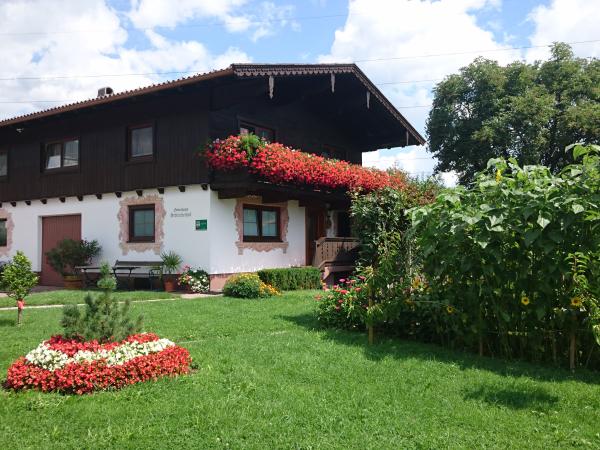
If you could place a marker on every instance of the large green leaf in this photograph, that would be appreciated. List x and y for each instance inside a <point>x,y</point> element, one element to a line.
<point>543,220</point>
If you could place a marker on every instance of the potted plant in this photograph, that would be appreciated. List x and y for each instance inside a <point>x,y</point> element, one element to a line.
<point>171,262</point>
<point>18,279</point>
<point>69,254</point>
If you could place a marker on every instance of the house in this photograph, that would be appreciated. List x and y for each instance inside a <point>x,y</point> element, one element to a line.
<point>124,169</point>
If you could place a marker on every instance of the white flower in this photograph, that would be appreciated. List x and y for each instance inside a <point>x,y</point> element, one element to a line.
<point>47,358</point>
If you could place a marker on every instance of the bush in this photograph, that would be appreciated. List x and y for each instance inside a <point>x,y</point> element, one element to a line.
<point>292,278</point>
<point>104,319</point>
<point>17,277</point>
<point>345,305</point>
<point>70,253</point>
<point>509,257</point>
<point>248,285</point>
<point>197,279</point>
<point>509,267</point>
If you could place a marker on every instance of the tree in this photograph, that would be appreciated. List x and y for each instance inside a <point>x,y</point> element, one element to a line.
<point>18,279</point>
<point>527,111</point>
<point>104,319</point>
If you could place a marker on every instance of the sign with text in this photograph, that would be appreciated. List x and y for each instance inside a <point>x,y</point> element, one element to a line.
<point>202,224</point>
<point>181,212</point>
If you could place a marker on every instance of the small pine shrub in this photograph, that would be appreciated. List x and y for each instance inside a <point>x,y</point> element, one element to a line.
<point>104,319</point>
<point>248,285</point>
<point>292,278</point>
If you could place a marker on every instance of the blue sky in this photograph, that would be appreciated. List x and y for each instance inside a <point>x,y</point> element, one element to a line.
<point>105,42</point>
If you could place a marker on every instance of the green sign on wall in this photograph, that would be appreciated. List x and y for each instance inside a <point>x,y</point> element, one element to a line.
<point>202,224</point>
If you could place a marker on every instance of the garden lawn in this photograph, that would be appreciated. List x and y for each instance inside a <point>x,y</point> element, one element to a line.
<point>70,297</point>
<point>269,378</point>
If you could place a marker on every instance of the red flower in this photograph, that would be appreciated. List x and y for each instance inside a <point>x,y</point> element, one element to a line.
<point>82,378</point>
<point>280,164</point>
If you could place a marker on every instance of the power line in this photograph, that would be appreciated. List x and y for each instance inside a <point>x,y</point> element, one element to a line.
<point>230,21</point>
<point>503,49</point>
<point>181,72</point>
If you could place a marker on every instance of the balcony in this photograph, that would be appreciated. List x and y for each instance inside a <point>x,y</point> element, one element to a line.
<point>335,254</point>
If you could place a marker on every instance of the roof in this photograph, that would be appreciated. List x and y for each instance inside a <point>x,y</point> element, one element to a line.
<point>240,70</point>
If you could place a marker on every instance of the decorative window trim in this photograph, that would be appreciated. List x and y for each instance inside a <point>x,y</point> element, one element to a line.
<point>238,215</point>
<point>159,218</point>
<point>5,215</point>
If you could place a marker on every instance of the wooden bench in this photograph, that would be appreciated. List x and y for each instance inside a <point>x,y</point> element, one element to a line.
<point>125,271</point>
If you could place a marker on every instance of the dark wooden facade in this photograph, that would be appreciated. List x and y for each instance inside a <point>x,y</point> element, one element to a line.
<point>304,111</point>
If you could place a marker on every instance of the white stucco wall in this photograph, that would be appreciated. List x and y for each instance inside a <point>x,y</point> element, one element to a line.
<point>213,250</point>
<point>99,220</point>
<point>225,256</point>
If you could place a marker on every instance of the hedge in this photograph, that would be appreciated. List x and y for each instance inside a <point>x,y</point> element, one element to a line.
<point>292,278</point>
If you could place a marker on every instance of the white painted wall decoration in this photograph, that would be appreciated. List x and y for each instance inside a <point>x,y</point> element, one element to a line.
<point>213,249</point>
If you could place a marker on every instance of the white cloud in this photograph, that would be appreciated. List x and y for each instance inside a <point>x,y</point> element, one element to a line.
<point>167,13</point>
<point>100,50</point>
<point>413,160</point>
<point>271,17</point>
<point>388,29</point>
<point>260,19</point>
<point>567,21</point>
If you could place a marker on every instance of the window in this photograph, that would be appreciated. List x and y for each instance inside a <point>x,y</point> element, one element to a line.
<point>141,142</point>
<point>261,223</point>
<point>61,154</point>
<point>3,233</point>
<point>329,151</point>
<point>266,133</point>
<point>3,164</point>
<point>141,223</point>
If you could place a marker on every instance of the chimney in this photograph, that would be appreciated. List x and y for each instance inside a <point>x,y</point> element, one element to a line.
<point>103,92</point>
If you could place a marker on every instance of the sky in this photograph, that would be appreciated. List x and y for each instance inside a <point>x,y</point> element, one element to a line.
<point>59,51</point>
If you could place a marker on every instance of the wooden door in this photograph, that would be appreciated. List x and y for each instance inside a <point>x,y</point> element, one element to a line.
<point>54,230</point>
<point>315,229</point>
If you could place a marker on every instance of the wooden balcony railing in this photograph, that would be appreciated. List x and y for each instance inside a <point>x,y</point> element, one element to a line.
<point>335,251</point>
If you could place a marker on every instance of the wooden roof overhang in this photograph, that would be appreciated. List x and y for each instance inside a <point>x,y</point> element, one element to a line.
<point>338,92</point>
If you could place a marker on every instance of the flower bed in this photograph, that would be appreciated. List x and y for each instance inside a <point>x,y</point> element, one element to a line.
<point>70,366</point>
<point>196,280</point>
<point>280,164</point>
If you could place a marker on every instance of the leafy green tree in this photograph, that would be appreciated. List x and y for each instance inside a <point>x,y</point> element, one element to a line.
<point>104,319</point>
<point>529,112</point>
<point>18,279</point>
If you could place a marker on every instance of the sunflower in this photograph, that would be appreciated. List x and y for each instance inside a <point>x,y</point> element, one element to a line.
<point>576,302</point>
<point>498,175</point>
<point>450,309</point>
<point>525,300</point>
<point>416,282</point>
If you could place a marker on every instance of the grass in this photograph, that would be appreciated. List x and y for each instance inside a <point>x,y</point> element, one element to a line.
<point>67,297</point>
<point>270,378</point>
